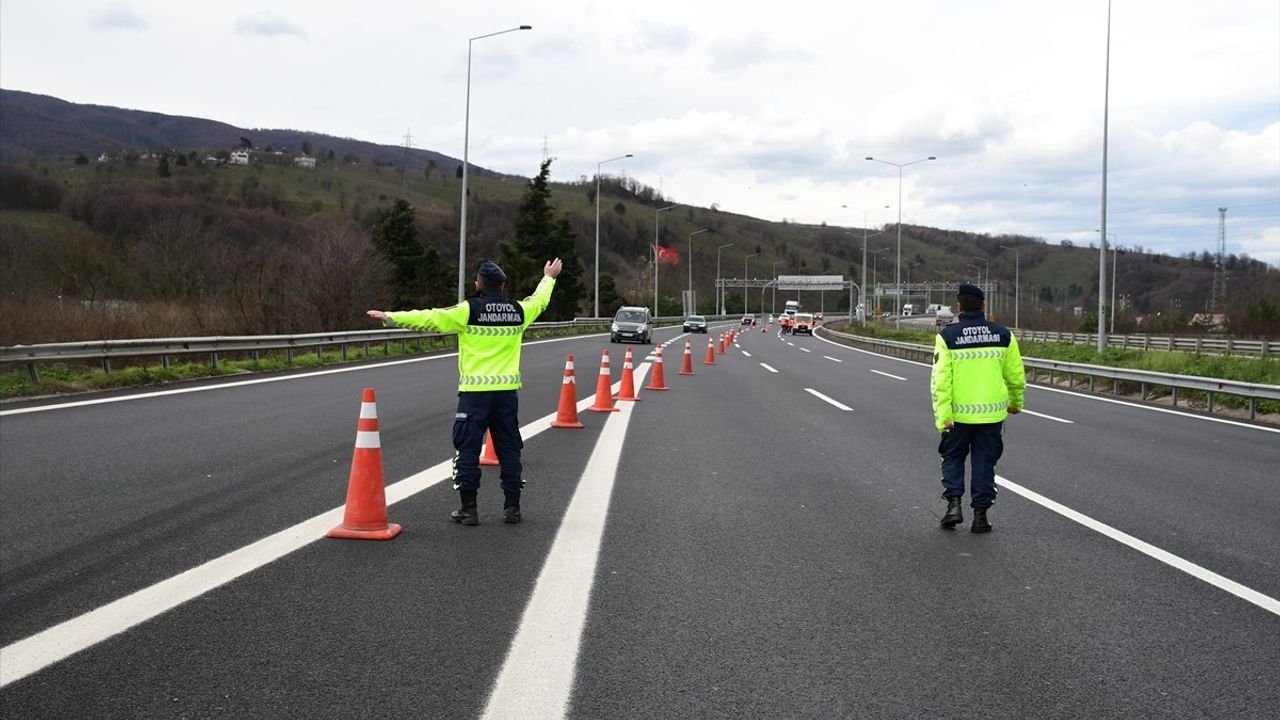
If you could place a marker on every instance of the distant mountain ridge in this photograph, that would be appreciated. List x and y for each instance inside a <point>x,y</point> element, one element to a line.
<point>36,126</point>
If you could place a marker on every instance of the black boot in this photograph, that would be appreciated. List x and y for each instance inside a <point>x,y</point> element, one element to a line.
<point>467,514</point>
<point>954,515</point>
<point>980,524</point>
<point>511,507</point>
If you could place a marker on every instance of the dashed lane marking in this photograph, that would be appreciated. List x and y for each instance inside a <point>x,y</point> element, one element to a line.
<point>890,375</point>
<point>838,360</point>
<point>826,399</point>
<point>1047,417</point>
<point>744,352</point>
<point>766,367</point>
<point>804,349</point>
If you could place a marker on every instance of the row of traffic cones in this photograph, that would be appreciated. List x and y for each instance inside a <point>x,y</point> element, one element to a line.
<point>365,513</point>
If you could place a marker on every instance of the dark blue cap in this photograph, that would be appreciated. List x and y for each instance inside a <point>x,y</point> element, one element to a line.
<point>490,271</point>
<point>974,290</point>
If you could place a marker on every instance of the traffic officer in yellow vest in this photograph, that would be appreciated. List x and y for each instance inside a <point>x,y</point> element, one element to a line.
<point>977,380</point>
<point>490,328</point>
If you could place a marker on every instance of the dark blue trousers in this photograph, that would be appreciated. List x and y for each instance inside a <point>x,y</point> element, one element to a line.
<point>984,445</point>
<point>495,411</point>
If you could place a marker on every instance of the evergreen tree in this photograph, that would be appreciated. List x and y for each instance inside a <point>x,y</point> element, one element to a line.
<point>164,166</point>
<point>438,278</point>
<point>610,298</point>
<point>395,234</point>
<point>541,236</point>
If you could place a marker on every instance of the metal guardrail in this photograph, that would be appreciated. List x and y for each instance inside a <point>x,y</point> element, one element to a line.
<point>104,350</point>
<point>1205,344</point>
<point>1144,379</point>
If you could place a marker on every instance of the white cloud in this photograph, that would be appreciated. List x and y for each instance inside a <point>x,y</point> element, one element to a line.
<point>267,24</point>
<point>117,16</point>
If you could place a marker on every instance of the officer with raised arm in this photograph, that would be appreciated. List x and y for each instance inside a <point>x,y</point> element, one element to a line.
<point>490,328</point>
<point>977,380</point>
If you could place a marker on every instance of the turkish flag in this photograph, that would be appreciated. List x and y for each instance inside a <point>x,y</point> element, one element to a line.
<point>667,255</point>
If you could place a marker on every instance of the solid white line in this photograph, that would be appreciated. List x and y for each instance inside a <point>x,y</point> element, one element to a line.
<point>1076,394</point>
<point>890,375</point>
<point>820,396</point>
<point>833,359</point>
<point>60,641</point>
<point>766,367</point>
<point>1048,417</point>
<point>536,678</point>
<point>1265,602</point>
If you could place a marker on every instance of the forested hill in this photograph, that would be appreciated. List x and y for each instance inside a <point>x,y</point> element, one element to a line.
<point>43,127</point>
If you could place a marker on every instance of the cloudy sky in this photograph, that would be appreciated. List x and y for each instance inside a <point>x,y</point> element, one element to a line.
<point>767,109</point>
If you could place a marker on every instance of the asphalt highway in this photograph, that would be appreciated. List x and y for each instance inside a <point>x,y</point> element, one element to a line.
<point>761,540</point>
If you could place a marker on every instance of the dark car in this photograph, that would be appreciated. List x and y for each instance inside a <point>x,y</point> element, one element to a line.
<point>695,324</point>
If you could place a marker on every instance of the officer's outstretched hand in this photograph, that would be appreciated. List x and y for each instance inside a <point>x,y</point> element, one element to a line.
<point>377,315</point>
<point>552,268</point>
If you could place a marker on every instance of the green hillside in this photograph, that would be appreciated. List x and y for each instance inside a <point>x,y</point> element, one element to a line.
<point>112,249</point>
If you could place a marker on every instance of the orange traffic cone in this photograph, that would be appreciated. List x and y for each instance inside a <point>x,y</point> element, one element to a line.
<point>723,341</point>
<point>656,380</point>
<point>365,517</point>
<point>764,328</point>
<point>687,367</point>
<point>604,393</point>
<point>567,413</point>
<point>711,353</point>
<point>627,391</point>
<point>489,456</point>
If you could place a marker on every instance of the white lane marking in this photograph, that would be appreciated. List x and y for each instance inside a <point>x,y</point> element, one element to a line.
<point>1265,602</point>
<point>1076,394</point>
<point>1048,417</point>
<point>536,678</point>
<point>744,352</point>
<point>31,654</point>
<point>804,349</point>
<point>890,375</point>
<point>791,344</point>
<point>820,396</point>
<point>766,367</point>
<point>833,359</point>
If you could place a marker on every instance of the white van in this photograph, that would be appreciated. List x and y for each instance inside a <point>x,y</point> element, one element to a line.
<point>908,309</point>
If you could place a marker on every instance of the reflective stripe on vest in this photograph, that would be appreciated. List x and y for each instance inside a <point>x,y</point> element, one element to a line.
<point>486,380</point>
<point>995,353</point>
<point>979,408</point>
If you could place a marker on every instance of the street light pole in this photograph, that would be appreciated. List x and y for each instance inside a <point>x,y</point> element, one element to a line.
<point>897,318</point>
<point>720,290</point>
<point>655,255</point>
<point>773,301</point>
<point>1017,284</point>
<point>693,305</point>
<point>1102,250</point>
<point>602,162</point>
<point>862,289</point>
<point>745,299</point>
<point>466,146</point>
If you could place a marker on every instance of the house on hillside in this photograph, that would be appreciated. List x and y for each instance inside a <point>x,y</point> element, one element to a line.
<point>240,156</point>
<point>305,161</point>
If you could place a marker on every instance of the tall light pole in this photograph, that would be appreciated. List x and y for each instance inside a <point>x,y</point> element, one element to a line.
<point>744,282</point>
<point>875,275</point>
<point>986,279</point>
<point>1115,249</point>
<point>602,162</point>
<point>720,290</point>
<point>1017,284</point>
<point>773,302</point>
<point>1102,250</point>
<point>655,254</point>
<point>693,305</point>
<point>466,146</point>
<point>897,318</point>
<point>862,289</point>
